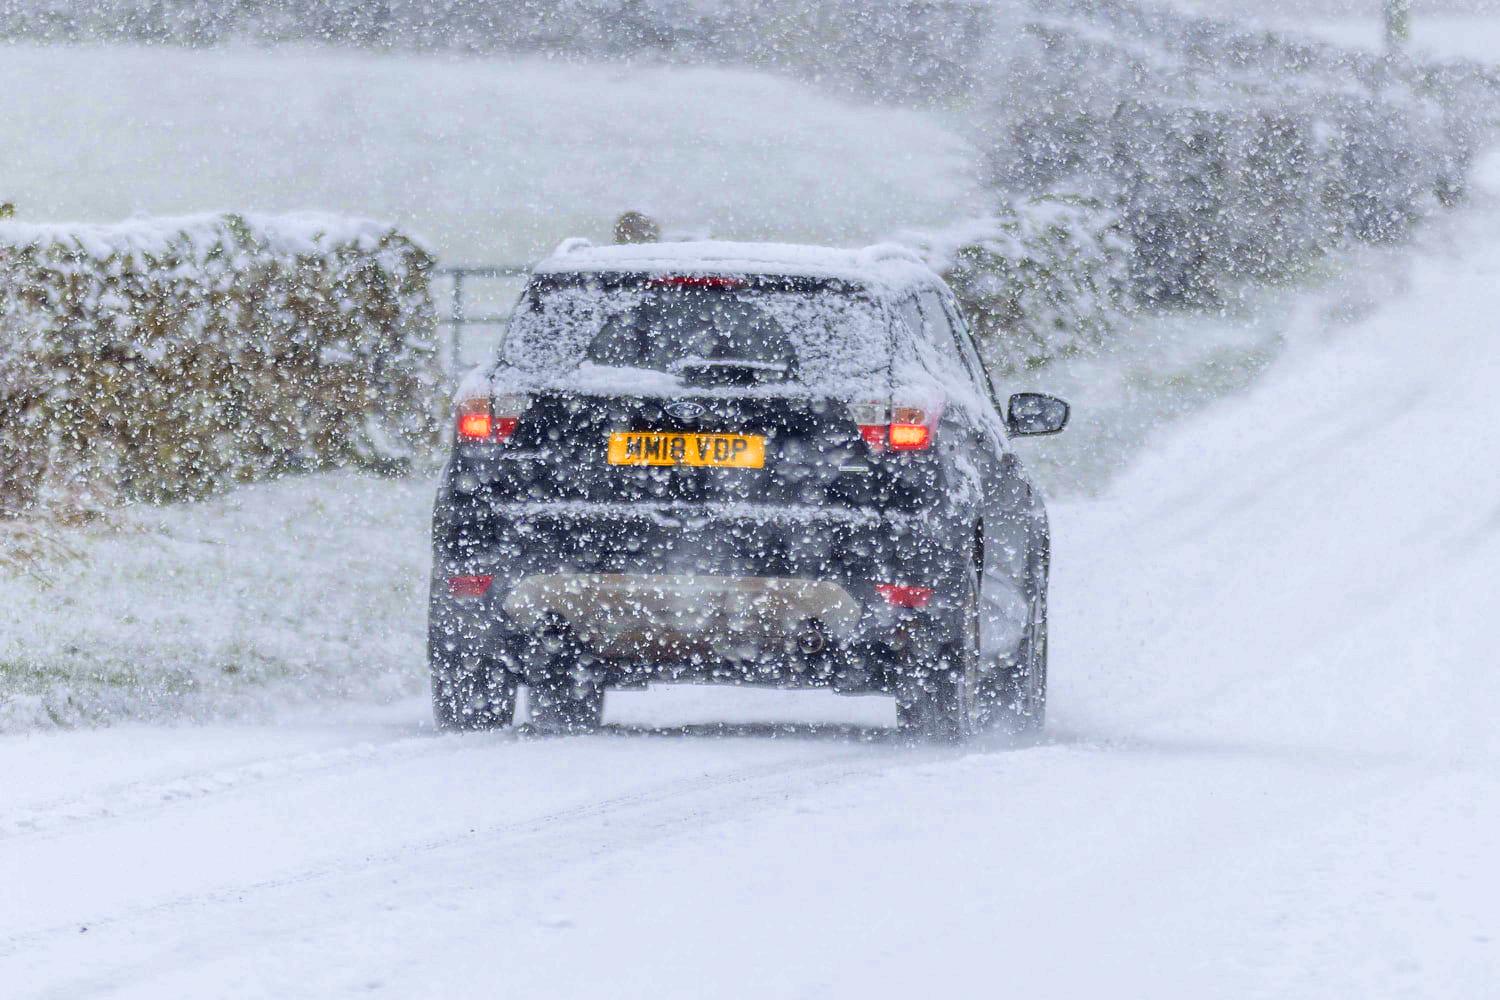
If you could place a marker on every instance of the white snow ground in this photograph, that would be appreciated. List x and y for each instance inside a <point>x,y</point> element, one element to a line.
<point>1273,768</point>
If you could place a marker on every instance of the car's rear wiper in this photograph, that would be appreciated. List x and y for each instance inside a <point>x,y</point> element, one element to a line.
<point>729,371</point>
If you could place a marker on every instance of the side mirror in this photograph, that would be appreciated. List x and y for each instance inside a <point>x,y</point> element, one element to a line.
<point>1035,413</point>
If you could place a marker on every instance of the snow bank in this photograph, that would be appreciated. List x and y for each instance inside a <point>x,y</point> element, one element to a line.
<point>164,359</point>
<point>1311,563</point>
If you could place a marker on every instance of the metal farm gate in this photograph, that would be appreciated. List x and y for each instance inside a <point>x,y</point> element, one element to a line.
<point>461,279</point>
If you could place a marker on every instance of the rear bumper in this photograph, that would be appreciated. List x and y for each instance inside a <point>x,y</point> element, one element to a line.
<point>749,594</point>
<point>624,616</point>
<point>850,546</point>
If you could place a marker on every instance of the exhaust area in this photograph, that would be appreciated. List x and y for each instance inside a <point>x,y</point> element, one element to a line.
<point>624,615</point>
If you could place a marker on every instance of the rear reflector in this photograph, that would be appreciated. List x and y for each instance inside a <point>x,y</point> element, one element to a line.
<point>470,586</point>
<point>903,596</point>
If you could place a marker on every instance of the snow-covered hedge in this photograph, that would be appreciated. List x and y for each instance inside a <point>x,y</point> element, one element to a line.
<point>1233,153</point>
<point>1201,155</point>
<point>1042,277</point>
<point>161,360</point>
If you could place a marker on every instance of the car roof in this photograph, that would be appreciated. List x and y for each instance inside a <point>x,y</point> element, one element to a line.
<point>888,267</point>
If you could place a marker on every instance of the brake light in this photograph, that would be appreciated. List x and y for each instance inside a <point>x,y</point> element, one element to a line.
<point>697,281</point>
<point>470,586</point>
<point>899,428</point>
<point>909,429</point>
<point>475,426</point>
<point>482,420</point>
<point>903,596</point>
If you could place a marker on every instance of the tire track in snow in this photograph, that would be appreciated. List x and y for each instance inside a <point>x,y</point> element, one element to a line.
<point>551,840</point>
<point>134,798</point>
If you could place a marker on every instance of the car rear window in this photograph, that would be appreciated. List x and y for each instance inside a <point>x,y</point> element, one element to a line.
<point>807,331</point>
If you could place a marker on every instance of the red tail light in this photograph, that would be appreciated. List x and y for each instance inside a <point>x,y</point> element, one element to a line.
<point>903,596</point>
<point>893,428</point>
<point>482,420</point>
<point>470,586</point>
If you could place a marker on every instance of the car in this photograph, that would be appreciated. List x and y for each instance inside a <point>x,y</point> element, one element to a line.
<point>758,464</point>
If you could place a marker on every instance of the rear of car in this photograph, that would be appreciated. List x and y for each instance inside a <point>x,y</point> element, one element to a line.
<point>701,470</point>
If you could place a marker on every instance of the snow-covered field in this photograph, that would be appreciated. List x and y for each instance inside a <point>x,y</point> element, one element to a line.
<point>492,160</point>
<point>1272,771</point>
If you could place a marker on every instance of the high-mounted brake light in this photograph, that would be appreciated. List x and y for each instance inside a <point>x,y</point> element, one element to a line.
<point>904,596</point>
<point>470,586</point>
<point>892,428</point>
<point>490,421</point>
<point>697,281</point>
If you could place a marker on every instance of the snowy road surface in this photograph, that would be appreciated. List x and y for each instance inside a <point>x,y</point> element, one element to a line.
<point>1273,768</point>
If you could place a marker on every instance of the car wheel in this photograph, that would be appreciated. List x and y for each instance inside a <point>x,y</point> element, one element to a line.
<point>469,691</point>
<point>564,698</point>
<point>937,701</point>
<point>1019,700</point>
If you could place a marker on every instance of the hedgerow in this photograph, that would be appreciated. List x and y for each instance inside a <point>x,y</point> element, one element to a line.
<point>1214,156</point>
<point>1041,277</point>
<point>166,360</point>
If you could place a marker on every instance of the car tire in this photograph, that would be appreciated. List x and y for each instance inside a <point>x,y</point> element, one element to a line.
<point>1017,701</point>
<point>563,700</point>
<point>469,692</point>
<point>937,700</point>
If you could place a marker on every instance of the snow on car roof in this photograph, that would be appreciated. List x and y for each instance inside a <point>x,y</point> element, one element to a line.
<point>888,265</point>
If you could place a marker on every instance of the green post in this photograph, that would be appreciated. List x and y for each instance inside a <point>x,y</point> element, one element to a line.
<point>1397,24</point>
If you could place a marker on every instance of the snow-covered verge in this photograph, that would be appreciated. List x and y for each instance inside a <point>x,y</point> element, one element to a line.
<point>311,588</point>
<point>1273,768</point>
<point>1312,564</point>
<point>166,359</point>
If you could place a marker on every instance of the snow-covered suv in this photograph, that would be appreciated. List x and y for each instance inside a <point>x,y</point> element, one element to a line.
<point>746,464</point>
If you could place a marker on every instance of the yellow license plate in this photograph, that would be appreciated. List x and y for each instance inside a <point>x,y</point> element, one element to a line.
<point>722,451</point>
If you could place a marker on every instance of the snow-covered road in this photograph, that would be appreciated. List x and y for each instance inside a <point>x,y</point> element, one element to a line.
<point>1273,768</point>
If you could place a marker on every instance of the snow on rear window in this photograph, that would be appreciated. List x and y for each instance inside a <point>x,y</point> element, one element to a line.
<point>830,334</point>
